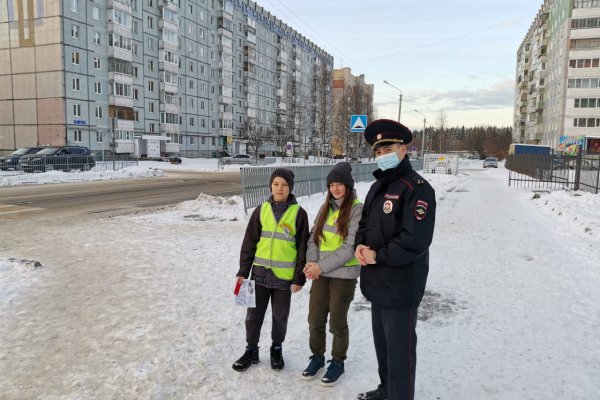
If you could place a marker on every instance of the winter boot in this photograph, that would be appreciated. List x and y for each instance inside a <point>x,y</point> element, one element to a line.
<point>250,357</point>
<point>377,394</point>
<point>334,373</point>
<point>314,366</point>
<point>276,357</point>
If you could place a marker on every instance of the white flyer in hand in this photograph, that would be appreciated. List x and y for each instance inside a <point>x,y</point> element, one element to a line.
<point>246,296</point>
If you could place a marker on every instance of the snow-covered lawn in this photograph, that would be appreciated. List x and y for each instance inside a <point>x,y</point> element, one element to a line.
<point>141,306</point>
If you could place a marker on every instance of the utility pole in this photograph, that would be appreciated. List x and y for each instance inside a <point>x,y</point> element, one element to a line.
<point>399,99</point>
<point>423,136</point>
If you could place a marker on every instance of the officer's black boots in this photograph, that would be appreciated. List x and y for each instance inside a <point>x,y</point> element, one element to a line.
<point>245,361</point>
<point>377,394</point>
<point>276,357</point>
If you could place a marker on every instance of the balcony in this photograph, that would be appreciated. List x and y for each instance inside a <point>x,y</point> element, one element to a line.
<point>122,54</point>
<point>124,146</point>
<point>121,101</point>
<point>170,147</point>
<point>122,124</point>
<point>170,108</point>
<point>168,128</point>
<point>164,45</point>
<point>169,25</point>
<point>169,87</point>
<point>123,5</point>
<point>169,5</point>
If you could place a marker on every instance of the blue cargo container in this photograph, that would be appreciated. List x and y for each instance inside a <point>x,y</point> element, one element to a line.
<point>522,148</point>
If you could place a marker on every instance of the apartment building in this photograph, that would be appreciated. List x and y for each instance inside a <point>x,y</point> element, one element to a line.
<point>557,97</point>
<point>351,96</point>
<point>155,77</point>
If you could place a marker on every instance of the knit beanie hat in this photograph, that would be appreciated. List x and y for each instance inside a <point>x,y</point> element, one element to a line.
<point>342,173</point>
<point>284,173</point>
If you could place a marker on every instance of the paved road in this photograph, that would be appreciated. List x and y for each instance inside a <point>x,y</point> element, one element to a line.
<point>115,195</point>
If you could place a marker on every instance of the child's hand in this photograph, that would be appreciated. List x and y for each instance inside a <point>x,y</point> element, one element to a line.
<point>296,288</point>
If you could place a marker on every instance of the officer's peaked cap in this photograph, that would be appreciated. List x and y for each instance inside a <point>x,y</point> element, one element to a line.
<point>386,131</point>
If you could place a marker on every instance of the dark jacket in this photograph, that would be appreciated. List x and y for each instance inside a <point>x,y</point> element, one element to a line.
<point>263,276</point>
<point>397,222</point>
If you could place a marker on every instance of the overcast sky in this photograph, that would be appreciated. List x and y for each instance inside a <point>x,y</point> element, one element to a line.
<point>456,55</point>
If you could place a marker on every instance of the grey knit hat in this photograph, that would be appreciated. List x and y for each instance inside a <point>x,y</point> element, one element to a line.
<point>342,173</point>
<point>284,173</point>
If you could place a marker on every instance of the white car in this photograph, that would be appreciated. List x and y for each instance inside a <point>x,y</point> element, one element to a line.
<point>491,162</point>
<point>237,159</point>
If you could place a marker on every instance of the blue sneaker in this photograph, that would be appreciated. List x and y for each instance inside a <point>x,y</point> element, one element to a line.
<point>314,366</point>
<point>334,373</point>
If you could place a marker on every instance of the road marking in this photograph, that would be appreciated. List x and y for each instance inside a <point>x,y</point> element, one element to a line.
<point>14,209</point>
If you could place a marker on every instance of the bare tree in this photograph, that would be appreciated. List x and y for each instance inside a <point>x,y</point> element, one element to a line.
<point>323,113</point>
<point>253,136</point>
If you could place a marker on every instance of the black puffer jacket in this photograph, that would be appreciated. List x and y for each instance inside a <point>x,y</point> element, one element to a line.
<point>397,222</point>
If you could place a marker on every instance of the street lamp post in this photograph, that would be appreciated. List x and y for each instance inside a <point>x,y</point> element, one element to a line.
<point>399,99</point>
<point>423,138</point>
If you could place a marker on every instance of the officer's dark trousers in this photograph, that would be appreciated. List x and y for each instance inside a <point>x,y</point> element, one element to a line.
<point>396,348</point>
<point>280,307</point>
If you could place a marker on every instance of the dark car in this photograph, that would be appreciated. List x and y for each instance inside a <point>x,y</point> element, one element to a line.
<point>64,158</point>
<point>11,162</point>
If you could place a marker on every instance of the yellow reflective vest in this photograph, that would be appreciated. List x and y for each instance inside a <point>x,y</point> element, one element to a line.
<point>331,240</point>
<point>276,249</point>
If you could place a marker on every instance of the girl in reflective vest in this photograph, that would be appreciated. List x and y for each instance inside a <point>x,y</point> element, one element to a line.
<point>334,271</point>
<point>274,251</point>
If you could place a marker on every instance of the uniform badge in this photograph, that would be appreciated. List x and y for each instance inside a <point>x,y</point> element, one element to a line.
<point>379,136</point>
<point>388,206</point>
<point>421,210</point>
<point>287,230</point>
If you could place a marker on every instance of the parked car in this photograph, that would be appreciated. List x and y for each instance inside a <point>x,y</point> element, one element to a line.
<point>237,159</point>
<point>11,162</point>
<point>64,158</point>
<point>491,162</point>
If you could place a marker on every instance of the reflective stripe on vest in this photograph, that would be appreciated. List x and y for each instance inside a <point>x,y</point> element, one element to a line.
<point>276,249</point>
<point>331,240</point>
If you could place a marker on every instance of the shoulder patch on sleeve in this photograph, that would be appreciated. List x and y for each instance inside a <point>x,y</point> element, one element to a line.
<point>421,210</point>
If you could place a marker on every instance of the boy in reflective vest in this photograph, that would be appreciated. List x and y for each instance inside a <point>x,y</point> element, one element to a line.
<point>334,270</point>
<point>274,250</point>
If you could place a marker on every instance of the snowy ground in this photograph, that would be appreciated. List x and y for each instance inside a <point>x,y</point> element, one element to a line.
<point>141,306</point>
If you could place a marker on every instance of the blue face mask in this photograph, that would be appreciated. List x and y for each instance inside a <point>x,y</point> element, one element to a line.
<point>388,161</point>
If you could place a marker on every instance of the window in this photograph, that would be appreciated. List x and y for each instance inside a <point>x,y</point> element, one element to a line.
<point>75,31</point>
<point>75,6</point>
<point>77,135</point>
<point>75,58</point>
<point>191,84</point>
<point>192,121</point>
<point>97,38</point>
<point>98,87</point>
<point>98,112</point>
<point>77,110</point>
<point>151,107</point>
<point>151,65</point>
<point>99,137</point>
<point>151,128</point>
<point>136,116</point>
<point>213,139</point>
<point>150,22</point>
<point>96,62</point>
<point>150,43</point>
<point>191,140</point>
<point>75,83</point>
<point>203,139</point>
<point>96,13</point>
<point>151,86</point>
<point>135,94</point>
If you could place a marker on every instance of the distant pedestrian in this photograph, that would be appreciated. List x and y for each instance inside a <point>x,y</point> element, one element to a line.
<point>334,271</point>
<point>274,251</point>
<point>392,245</point>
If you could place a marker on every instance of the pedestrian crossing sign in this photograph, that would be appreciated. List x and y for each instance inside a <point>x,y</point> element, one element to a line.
<point>358,123</point>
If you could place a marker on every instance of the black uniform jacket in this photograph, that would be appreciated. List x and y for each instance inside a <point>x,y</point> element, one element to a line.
<point>397,222</point>
<point>266,277</point>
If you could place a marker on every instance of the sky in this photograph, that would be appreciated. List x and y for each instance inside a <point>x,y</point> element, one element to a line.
<point>457,56</point>
<point>139,304</point>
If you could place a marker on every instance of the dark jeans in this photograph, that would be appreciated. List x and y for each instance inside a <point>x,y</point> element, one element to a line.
<point>280,307</point>
<point>396,348</point>
<point>330,296</point>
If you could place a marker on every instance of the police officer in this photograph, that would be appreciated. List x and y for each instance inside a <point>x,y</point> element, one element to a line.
<point>392,245</point>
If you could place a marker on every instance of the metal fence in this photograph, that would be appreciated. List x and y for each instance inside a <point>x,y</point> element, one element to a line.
<point>555,171</point>
<point>71,163</point>
<point>307,180</point>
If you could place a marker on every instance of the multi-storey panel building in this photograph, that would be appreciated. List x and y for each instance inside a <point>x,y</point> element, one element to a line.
<point>557,100</point>
<point>156,77</point>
